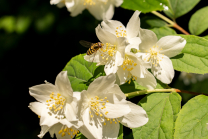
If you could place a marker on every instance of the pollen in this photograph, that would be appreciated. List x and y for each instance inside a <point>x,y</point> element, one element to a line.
<point>154,55</point>
<point>68,131</point>
<point>89,2</point>
<point>120,32</point>
<point>56,104</point>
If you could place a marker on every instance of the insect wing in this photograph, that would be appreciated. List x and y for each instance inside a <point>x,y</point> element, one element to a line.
<point>86,43</point>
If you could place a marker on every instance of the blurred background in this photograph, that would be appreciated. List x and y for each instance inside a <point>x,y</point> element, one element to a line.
<point>36,41</point>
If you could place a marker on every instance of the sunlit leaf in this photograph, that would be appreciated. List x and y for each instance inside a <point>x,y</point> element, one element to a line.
<point>162,110</point>
<point>177,8</point>
<point>80,74</point>
<point>199,21</point>
<point>194,57</point>
<point>192,119</point>
<point>144,5</point>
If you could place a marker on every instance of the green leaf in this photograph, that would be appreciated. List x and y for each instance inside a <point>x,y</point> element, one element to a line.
<point>194,57</point>
<point>120,134</point>
<point>163,31</point>
<point>177,8</point>
<point>206,37</point>
<point>152,22</point>
<point>80,74</point>
<point>192,119</point>
<point>144,5</point>
<point>162,110</point>
<point>80,136</point>
<point>199,21</point>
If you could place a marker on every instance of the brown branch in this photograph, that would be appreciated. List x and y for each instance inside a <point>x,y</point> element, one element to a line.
<point>189,92</point>
<point>180,29</point>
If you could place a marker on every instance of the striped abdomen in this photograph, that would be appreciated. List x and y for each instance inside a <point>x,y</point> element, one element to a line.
<point>94,48</point>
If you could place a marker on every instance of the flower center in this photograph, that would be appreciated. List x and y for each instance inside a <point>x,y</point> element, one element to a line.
<point>128,64</point>
<point>68,131</point>
<point>109,50</point>
<point>89,2</point>
<point>55,105</point>
<point>96,106</point>
<point>120,31</point>
<point>154,57</point>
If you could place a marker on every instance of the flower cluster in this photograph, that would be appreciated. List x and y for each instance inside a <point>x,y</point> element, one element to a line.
<point>100,9</point>
<point>130,51</point>
<point>95,112</point>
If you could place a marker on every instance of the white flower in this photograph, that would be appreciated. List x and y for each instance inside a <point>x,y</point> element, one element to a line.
<point>135,68</point>
<point>59,100</point>
<point>112,52</point>
<point>130,32</point>
<point>158,53</point>
<point>100,9</point>
<point>60,3</point>
<point>103,107</point>
<point>60,126</point>
<point>58,108</point>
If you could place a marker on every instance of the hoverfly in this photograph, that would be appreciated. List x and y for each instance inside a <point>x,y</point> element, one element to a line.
<point>93,48</point>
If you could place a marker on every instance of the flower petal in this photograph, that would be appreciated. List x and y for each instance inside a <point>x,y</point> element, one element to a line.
<point>136,118</point>
<point>171,45</point>
<point>84,130</point>
<point>112,66</point>
<point>47,119</point>
<point>166,73</point>
<point>110,131</point>
<point>69,4</point>
<point>111,25</point>
<point>122,75</point>
<point>148,38</point>
<point>121,45</point>
<point>44,130</point>
<point>64,85</point>
<point>76,9</point>
<point>36,107</point>
<point>96,10</point>
<point>42,92</point>
<point>135,42</point>
<point>100,85</point>
<point>71,111</point>
<point>118,109</point>
<point>139,69</point>
<point>93,126</point>
<point>54,2</point>
<point>148,81</point>
<point>105,36</point>
<point>60,5</point>
<point>133,25</point>
<point>116,90</point>
<point>55,130</point>
<point>117,3</point>
<point>109,11</point>
<point>77,95</point>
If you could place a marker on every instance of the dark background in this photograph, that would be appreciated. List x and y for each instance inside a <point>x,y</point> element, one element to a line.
<point>47,38</point>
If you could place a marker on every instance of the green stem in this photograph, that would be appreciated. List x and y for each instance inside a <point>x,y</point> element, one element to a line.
<point>171,23</point>
<point>138,93</point>
<point>164,18</point>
